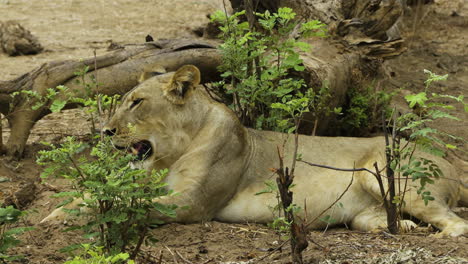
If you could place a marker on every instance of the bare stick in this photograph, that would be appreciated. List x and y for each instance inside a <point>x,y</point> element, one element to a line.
<point>211,95</point>
<point>95,71</point>
<point>182,258</point>
<point>296,147</point>
<point>29,232</point>
<point>1,133</point>
<point>160,257</point>
<point>338,169</point>
<point>78,169</point>
<point>381,188</point>
<point>142,235</point>
<point>390,154</point>
<point>314,130</point>
<point>99,99</point>
<point>298,234</point>
<point>208,261</point>
<point>173,256</point>
<point>273,251</point>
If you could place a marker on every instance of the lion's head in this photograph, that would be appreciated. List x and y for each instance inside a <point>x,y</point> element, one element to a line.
<point>158,118</point>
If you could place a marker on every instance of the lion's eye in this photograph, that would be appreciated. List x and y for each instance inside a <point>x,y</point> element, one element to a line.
<point>136,102</point>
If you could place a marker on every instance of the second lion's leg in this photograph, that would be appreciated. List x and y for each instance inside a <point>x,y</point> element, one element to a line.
<point>436,212</point>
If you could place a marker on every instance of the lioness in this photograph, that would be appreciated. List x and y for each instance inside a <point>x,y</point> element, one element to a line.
<point>217,165</point>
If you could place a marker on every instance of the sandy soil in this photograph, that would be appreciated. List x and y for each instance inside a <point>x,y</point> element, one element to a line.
<point>73,29</point>
<point>437,40</point>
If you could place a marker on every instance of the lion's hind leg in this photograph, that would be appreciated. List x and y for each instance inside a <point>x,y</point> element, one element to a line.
<point>374,219</point>
<point>436,213</point>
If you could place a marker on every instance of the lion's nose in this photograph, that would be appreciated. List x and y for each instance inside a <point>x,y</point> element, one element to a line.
<point>110,132</point>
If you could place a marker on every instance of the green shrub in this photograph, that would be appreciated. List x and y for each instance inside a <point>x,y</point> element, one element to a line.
<point>363,113</point>
<point>260,65</point>
<point>8,236</point>
<point>119,199</point>
<point>416,125</point>
<point>95,255</point>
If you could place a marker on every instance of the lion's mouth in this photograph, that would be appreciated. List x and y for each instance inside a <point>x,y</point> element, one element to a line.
<point>141,149</point>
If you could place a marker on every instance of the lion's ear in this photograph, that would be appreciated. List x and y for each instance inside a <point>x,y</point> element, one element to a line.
<point>184,81</point>
<point>154,71</point>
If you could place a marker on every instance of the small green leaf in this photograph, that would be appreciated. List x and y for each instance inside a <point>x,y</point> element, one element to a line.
<point>18,230</point>
<point>299,68</point>
<point>338,110</point>
<point>414,99</point>
<point>168,210</point>
<point>57,105</point>
<point>64,202</point>
<point>303,46</point>
<point>91,235</point>
<point>66,194</point>
<point>328,219</point>
<point>286,13</point>
<point>37,105</point>
<point>436,114</point>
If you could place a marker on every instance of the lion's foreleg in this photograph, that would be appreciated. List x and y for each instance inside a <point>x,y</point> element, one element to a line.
<point>375,219</point>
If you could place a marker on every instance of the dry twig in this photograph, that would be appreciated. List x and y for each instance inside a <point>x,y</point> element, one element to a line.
<point>182,258</point>
<point>173,255</point>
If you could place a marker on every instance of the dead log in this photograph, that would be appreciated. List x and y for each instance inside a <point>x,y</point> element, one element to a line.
<point>117,73</point>
<point>362,34</point>
<point>357,22</point>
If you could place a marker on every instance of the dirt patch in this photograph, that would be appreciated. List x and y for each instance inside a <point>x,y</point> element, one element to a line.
<point>437,41</point>
<point>72,29</point>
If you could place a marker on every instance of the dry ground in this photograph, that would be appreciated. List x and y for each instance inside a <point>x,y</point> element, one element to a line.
<point>72,29</point>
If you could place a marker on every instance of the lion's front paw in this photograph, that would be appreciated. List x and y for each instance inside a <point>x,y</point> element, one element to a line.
<point>57,216</point>
<point>407,226</point>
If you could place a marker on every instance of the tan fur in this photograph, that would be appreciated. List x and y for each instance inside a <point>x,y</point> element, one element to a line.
<point>218,166</point>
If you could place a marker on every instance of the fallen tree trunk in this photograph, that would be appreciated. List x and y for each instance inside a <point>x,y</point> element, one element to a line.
<point>116,72</point>
<point>362,34</point>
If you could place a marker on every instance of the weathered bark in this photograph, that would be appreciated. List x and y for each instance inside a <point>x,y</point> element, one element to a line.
<point>117,73</point>
<point>358,22</point>
<point>259,5</point>
<point>362,33</point>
